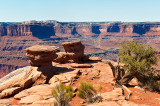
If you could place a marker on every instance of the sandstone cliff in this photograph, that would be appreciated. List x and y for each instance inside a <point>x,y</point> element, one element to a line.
<point>96,36</point>
<point>63,29</point>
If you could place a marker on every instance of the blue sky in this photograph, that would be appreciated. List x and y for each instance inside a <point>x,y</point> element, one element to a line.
<point>80,10</point>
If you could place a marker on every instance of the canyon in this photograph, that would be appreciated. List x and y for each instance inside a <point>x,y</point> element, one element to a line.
<point>101,39</point>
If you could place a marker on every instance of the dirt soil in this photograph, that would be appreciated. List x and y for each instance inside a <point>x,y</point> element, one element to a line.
<point>101,74</point>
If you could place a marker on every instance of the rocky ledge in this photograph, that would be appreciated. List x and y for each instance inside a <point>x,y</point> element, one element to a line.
<point>32,85</point>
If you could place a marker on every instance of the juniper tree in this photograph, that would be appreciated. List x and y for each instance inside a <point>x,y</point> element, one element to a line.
<point>138,59</point>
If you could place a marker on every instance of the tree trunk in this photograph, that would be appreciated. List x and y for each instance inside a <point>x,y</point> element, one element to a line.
<point>127,78</point>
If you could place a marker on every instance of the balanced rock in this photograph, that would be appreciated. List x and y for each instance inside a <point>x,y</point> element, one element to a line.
<point>41,57</point>
<point>41,54</point>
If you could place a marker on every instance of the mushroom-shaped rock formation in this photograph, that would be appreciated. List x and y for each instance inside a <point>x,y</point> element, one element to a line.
<point>74,52</point>
<point>41,57</point>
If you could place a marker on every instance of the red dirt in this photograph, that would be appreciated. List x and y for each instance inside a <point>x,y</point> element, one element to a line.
<point>105,79</point>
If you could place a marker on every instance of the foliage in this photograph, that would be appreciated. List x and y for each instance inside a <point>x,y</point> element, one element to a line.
<point>87,92</point>
<point>137,57</point>
<point>63,94</point>
<point>152,82</point>
<point>99,89</point>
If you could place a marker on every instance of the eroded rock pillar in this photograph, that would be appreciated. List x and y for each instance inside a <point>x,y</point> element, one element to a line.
<point>41,56</point>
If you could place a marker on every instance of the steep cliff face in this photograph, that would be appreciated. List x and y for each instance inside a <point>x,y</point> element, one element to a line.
<point>46,30</point>
<point>39,31</point>
<point>96,36</point>
<point>114,29</point>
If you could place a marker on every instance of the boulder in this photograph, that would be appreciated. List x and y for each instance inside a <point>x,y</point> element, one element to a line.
<point>74,52</point>
<point>66,77</point>
<point>40,55</point>
<point>42,90</point>
<point>62,57</point>
<point>23,77</point>
<point>10,91</point>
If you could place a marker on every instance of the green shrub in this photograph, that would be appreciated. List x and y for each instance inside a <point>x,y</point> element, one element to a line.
<point>63,95</point>
<point>137,57</point>
<point>153,83</point>
<point>87,92</point>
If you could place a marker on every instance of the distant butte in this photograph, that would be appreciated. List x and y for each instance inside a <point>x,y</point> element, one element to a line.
<point>99,38</point>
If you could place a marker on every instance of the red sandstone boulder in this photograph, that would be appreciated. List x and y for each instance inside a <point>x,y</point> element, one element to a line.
<point>10,91</point>
<point>74,52</point>
<point>41,54</point>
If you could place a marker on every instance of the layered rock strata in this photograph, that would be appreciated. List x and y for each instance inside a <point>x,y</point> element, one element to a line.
<point>41,57</point>
<point>47,29</point>
<point>74,52</point>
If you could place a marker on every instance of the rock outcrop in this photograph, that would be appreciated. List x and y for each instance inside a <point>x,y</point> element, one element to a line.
<point>41,57</point>
<point>74,52</point>
<point>99,74</point>
<point>46,29</point>
<point>96,36</point>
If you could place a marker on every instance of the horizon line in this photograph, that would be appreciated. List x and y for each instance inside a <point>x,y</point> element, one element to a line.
<point>81,21</point>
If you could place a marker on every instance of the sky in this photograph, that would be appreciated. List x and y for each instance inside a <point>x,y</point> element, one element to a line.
<point>80,10</point>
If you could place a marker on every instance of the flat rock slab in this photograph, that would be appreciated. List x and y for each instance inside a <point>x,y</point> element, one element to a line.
<point>64,77</point>
<point>42,48</point>
<point>114,95</point>
<point>81,65</point>
<point>10,91</point>
<point>47,102</point>
<point>95,59</point>
<point>42,90</point>
<point>6,101</point>
<point>30,99</point>
<point>22,77</point>
<point>71,43</point>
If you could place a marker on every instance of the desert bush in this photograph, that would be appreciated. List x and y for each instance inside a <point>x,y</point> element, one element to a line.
<point>137,57</point>
<point>62,94</point>
<point>87,92</point>
<point>139,60</point>
<point>153,82</point>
